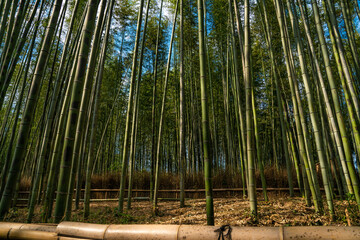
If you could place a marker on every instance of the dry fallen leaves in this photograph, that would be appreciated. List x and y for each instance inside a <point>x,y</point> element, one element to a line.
<point>283,211</point>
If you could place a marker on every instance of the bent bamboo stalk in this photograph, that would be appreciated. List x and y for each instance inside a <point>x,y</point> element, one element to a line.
<point>192,232</point>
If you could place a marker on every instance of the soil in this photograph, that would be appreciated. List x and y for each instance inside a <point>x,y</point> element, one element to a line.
<point>278,211</point>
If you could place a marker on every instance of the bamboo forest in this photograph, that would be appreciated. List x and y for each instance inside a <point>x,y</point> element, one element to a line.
<point>179,112</point>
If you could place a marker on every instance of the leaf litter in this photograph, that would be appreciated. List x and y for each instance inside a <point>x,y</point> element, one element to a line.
<point>278,211</point>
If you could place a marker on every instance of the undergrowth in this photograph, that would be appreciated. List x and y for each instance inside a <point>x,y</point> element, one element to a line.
<point>275,178</point>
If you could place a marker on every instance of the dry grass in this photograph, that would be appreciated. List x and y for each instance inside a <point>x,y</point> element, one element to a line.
<point>223,179</point>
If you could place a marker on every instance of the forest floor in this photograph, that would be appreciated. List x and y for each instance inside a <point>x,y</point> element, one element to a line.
<point>278,211</point>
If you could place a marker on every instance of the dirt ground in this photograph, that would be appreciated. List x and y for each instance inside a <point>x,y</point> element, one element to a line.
<point>279,211</point>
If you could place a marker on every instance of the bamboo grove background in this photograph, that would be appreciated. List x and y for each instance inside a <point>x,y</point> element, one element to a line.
<point>186,88</point>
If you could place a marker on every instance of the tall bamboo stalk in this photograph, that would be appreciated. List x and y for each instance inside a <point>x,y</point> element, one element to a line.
<point>29,112</point>
<point>278,98</point>
<point>329,5</point>
<point>68,148</point>
<point>182,130</point>
<point>342,145</point>
<point>158,147</point>
<point>124,160</point>
<point>297,109</point>
<point>153,110</point>
<point>236,76</point>
<point>249,115</point>
<point>206,144</point>
<point>313,115</point>
<point>97,83</point>
<point>136,107</point>
<point>85,100</point>
<point>36,186</point>
<point>58,138</point>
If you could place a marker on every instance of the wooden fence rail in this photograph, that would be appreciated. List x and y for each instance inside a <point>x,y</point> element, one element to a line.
<point>102,195</point>
<point>186,190</point>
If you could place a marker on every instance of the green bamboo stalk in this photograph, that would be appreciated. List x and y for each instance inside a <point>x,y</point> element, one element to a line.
<point>10,25</point>
<point>214,133</point>
<point>278,97</point>
<point>303,181</point>
<point>4,18</point>
<point>84,104</point>
<point>241,140</point>
<point>237,83</point>
<point>136,107</point>
<point>29,112</point>
<point>36,186</point>
<point>58,138</point>
<point>182,131</point>
<point>249,115</point>
<point>157,170</point>
<point>350,107</point>
<point>332,120</point>
<point>153,110</point>
<point>357,10</point>
<point>129,108</point>
<point>334,93</point>
<point>12,52</point>
<point>305,160</point>
<point>76,95</point>
<point>207,153</point>
<point>94,113</point>
<point>349,29</point>
<point>48,133</point>
<point>303,120</point>
<point>258,150</point>
<point>313,115</point>
<point>4,171</point>
<point>332,24</point>
<point>230,152</point>
<point>7,113</point>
